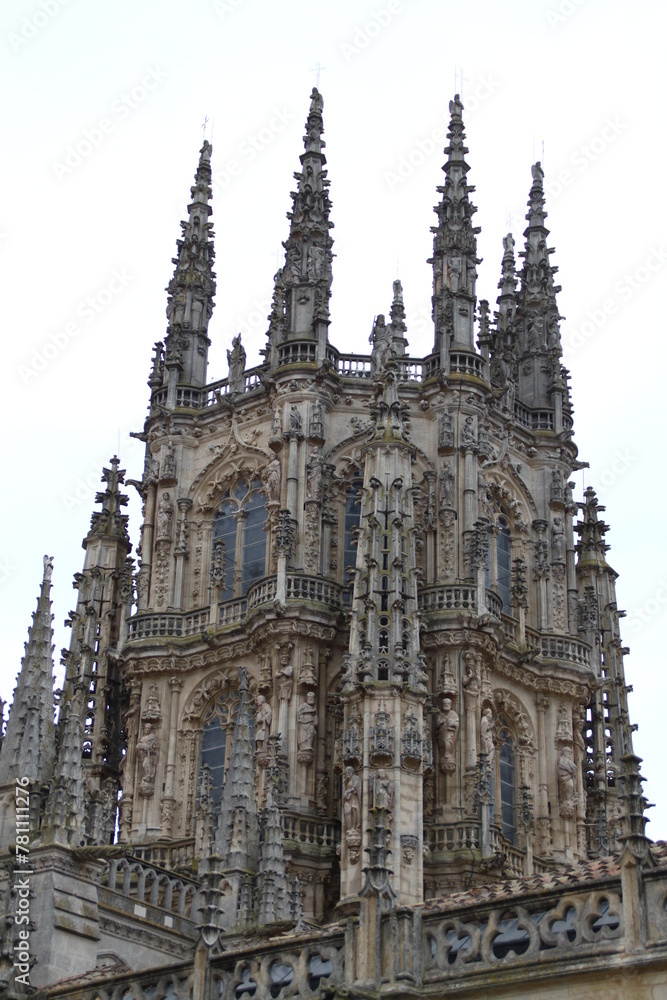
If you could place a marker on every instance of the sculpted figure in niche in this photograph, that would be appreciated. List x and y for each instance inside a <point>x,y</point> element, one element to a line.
<point>307,718</point>
<point>558,540</point>
<point>446,732</point>
<point>314,475</point>
<point>447,486</point>
<point>383,792</point>
<point>147,753</point>
<point>567,771</point>
<point>285,677</point>
<point>468,433</point>
<point>487,731</point>
<point>263,720</point>
<point>272,481</point>
<point>165,517</point>
<point>352,800</point>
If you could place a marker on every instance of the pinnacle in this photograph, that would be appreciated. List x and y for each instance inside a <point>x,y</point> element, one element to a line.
<point>109,521</point>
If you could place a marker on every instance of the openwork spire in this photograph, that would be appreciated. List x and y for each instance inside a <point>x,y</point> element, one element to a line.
<point>110,522</point>
<point>454,246</point>
<point>192,287</point>
<point>65,808</point>
<point>308,249</point>
<point>538,310</point>
<point>591,546</point>
<point>236,840</point>
<point>28,749</point>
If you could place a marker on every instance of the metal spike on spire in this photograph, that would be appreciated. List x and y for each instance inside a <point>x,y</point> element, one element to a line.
<point>28,749</point>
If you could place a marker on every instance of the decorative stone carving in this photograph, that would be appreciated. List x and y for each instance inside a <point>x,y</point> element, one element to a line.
<point>411,744</point>
<point>263,720</point>
<point>316,425</point>
<point>168,470</point>
<point>271,479</point>
<point>307,679</point>
<point>147,754</point>
<point>307,722</point>
<point>487,732</point>
<point>445,430</point>
<point>408,847</point>
<point>447,728</point>
<point>352,813</point>
<point>558,541</point>
<point>314,476</point>
<point>567,773</point>
<point>236,359</point>
<point>383,791</point>
<point>295,421</point>
<point>381,739</point>
<point>165,518</point>
<point>446,486</point>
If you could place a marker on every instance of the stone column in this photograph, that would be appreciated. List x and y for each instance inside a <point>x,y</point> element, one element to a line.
<point>168,801</point>
<point>543,823</point>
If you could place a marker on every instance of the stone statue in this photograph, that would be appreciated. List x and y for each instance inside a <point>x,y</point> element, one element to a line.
<point>316,428</point>
<point>147,753</point>
<point>314,475</point>
<point>263,719</point>
<point>352,801</point>
<point>272,481</point>
<point>294,419</point>
<point>445,430</point>
<point>383,791</point>
<point>567,770</point>
<point>165,517</point>
<point>558,541</point>
<point>307,719</point>
<point>447,486</point>
<point>236,360</point>
<point>447,728</point>
<point>487,731</point>
<point>285,678</point>
<point>468,433</point>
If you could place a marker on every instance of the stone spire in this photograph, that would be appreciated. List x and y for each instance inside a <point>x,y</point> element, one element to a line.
<point>237,833</point>
<point>191,289</point>
<point>65,812</point>
<point>503,354</point>
<point>397,315</point>
<point>537,316</point>
<point>28,749</point>
<point>110,522</point>
<point>272,880</point>
<point>591,546</point>
<point>306,275</point>
<point>454,249</point>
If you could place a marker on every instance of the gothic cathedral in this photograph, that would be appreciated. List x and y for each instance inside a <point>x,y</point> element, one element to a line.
<point>355,718</point>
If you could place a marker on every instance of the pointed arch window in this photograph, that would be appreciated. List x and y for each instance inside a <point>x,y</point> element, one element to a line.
<point>239,527</point>
<point>216,742</point>
<point>352,519</point>
<point>499,561</point>
<point>507,780</point>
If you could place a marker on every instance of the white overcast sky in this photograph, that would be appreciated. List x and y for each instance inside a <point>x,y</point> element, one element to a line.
<point>129,83</point>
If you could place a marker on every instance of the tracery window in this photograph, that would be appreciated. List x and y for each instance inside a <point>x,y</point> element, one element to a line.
<point>240,525</point>
<point>507,781</point>
<point>216,741</point>
<point>499,561</point>
<point>352,518</point>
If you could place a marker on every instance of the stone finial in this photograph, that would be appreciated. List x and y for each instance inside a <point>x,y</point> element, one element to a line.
<point>110,522</point>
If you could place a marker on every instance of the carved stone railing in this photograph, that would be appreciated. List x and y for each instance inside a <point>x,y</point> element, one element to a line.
<point>297,352</point>
<point>534,420</point>
<point>521,933</point>
<point>556,647</point>
<point>447,837</point>
<point>300,589</point>
<point>463,363</point>
<point>174,623</point>
<point>306,967</point>
<point>454,597</point>
<point>175,854</point>
<point>314,832</point>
